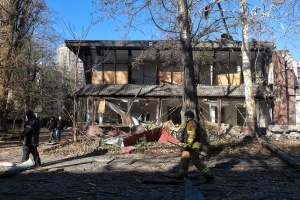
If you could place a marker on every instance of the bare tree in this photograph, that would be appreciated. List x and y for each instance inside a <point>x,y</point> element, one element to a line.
<point>265,20</point>
<point>190,97</point>
<point>192,21</point>
<point>19,19</point>
<point>74,83</point>
<point>179,20</point>
<point>246,68</point>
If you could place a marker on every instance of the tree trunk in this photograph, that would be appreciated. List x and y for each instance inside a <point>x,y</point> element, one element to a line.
<point>246,68</point>
<point>278,152</point>
<point>190,100</point>
<point>3,122</point>
<point>3,110</point>
<point>19,19</point>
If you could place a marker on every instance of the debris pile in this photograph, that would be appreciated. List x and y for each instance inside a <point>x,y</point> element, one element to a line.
<point>127,137</point>
<point>282,132</point>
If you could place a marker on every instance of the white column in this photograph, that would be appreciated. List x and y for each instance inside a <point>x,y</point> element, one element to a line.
<point>212,110</point>
<point>100,118</point>
<point>211,74</point>
<point>89,111</point>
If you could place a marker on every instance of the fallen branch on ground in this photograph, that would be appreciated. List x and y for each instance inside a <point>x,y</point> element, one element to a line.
<point>62,166</point>
<point>278,152</point>
<point>110,161</point>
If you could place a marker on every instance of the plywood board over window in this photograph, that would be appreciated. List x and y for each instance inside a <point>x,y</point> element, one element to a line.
<point>97,77</point>
<point>109,76</point>
<point>101,106</point>
<point>228,79</point>
<point>165,78</point>
<point>170,78</point>
<point>177,78</point>
<point>121,77</point>
<point>121,74</point>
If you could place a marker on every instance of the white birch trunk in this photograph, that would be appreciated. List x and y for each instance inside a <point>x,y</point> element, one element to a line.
<point>246,67</point>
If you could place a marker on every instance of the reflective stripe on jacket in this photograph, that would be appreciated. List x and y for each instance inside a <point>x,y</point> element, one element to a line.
<point>191,135</point>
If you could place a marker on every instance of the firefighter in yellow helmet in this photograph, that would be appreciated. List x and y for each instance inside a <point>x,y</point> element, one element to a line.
<point>190,136</point>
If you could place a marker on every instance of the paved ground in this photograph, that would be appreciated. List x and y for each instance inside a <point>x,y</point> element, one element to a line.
<point>244,172</point>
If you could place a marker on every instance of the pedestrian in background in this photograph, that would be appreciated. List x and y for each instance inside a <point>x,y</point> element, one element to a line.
<point>59,128</point>
<point>31,136</point>
<point>51,126</point>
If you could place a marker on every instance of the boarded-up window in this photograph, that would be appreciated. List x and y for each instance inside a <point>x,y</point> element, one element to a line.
<point>122,75</point>
<point>228,79</point>
<point>170,78</point>
<point>101,107</point>
<point>112,74</point>
<point>97,77</point>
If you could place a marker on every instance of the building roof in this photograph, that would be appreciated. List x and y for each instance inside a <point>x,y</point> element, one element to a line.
<point>143,44</point>
<point>82,46</point>
<point>166,91</point>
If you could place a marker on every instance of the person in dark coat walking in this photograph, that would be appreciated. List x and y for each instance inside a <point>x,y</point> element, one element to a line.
<point>51,126</point>
<point>59,128</point>
<point>31,136</point>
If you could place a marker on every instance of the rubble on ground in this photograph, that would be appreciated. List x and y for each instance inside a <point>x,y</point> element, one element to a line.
<point>242,172</point>
<point>281,132</point>
<point>129,136</point>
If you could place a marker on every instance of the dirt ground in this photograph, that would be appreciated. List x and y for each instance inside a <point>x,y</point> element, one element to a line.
<point>247,171</point>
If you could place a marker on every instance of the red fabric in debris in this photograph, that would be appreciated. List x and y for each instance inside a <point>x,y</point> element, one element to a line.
<point>166,136</point>
<point>127,150</point>
<point>151,136</point>
<point>63,142</point>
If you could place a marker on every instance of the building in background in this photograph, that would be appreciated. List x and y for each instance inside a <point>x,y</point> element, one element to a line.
<point>144,79</point>
<point>66,62</point>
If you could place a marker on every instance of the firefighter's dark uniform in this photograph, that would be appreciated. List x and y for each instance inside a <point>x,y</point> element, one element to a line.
<point>31,138</point>
<point>191,139</point>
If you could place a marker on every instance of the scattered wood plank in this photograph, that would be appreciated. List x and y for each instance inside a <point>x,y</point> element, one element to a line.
<point>279,153</point>
<point>133,161</point>
<point>63,166</point>
<point>110,161</point>
<point>55,145</point>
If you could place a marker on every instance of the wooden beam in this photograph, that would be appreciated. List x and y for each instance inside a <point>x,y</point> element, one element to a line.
<point>279,153</point>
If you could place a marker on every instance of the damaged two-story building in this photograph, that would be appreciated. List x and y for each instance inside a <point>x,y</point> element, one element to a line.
<point>143,80</point>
